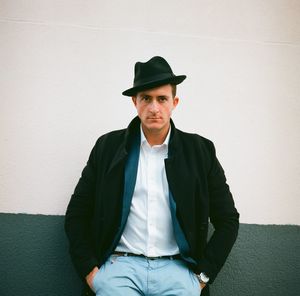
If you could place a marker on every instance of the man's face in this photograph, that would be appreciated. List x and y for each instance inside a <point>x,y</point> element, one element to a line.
<point>154,108</point>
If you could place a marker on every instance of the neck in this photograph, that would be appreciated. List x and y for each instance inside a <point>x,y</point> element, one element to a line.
<point>155,137</point>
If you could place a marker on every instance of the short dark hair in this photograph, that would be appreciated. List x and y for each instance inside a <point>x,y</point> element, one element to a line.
<point>174,89</point>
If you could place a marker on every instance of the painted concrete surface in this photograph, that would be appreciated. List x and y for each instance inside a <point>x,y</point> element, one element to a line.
<point>64,64</point>
<point>34,260</point>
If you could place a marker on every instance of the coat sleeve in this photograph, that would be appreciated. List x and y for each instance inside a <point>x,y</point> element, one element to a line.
<point>78,219</point>
<point>223,216</point>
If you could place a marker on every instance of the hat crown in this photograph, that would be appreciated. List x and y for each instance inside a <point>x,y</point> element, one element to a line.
<point>151,74</point>
<point>156,67</point>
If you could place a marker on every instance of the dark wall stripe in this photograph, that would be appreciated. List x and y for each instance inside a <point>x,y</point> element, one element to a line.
<point>34,260</point>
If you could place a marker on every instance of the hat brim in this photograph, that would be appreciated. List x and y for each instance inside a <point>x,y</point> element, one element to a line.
<point>152,84</point>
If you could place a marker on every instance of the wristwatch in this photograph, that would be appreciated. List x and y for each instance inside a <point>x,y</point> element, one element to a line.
<point>203,278</point>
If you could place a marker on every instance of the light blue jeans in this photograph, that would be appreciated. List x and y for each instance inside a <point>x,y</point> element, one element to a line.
<point>133,276</point>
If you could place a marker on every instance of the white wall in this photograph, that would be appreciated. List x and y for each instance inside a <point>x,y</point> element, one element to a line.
<point>64,64</point>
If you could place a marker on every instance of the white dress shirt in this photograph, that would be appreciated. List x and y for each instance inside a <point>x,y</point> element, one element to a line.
<point>149,229</point>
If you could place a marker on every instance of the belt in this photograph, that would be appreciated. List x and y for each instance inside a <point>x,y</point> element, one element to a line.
<point>128,254</point>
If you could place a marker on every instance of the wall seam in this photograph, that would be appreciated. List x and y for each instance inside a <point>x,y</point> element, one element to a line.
<point>162,33</point>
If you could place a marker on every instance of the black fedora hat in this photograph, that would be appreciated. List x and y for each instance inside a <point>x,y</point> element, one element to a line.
<point>153,73</point>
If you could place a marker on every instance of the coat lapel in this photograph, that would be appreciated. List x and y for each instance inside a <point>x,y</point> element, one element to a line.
<point>182,183</point>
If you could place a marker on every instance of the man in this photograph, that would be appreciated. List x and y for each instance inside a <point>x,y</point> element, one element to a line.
<point>138,219</point>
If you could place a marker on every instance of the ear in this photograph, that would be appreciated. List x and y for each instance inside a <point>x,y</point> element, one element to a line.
<point>133,100</point>
<point>175,102</point>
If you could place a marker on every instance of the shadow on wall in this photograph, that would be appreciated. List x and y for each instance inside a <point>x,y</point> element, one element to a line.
<point>35,261</point>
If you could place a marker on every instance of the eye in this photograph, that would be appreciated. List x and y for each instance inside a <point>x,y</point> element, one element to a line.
<point>162,99</point>
<point>146,98</point>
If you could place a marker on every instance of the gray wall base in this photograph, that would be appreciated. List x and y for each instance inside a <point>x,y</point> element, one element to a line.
<point>34,260</point>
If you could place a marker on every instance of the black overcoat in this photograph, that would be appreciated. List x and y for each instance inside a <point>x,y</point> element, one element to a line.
<point>196,180</point>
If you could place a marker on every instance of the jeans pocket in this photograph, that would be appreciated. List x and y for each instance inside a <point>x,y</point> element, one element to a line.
<point>196,281</point>
<point>102,271</point>
<point>94,280</point>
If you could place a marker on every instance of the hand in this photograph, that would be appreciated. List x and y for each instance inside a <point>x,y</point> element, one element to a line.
<point>89,278</point>
<point>202,285</point>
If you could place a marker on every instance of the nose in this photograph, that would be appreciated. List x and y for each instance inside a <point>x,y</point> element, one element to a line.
<point>154,106</point>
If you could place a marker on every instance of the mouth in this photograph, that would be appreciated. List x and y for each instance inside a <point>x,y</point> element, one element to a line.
<point>154,118</point>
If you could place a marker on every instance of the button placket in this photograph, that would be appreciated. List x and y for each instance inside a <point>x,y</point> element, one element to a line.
<point>151,200</point>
